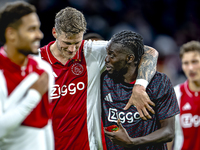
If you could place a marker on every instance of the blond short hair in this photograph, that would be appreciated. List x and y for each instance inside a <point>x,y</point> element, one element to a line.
<point>70,20</point>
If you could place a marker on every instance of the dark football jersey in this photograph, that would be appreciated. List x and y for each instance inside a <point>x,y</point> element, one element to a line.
<point>115,95</point>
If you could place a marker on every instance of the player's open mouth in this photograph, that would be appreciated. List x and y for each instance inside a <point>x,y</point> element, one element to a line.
<point>108,68</point>
<point>192,75</point>
<point>36,44</point>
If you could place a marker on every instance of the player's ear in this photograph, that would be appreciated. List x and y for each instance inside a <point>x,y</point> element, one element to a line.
<point>130,58</point>
<point>10,34</point>
<point>54,32</point>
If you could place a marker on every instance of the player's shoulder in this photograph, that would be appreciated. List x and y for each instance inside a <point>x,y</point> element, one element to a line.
<point>159,82</point>
<point>90,45</point>
<point>45,48</point>
<point>178,86</point>
<point>99,42</point>
<point>105,78</point>
<point>2,53</point>
<point>44,52</point>
<point>41,63</point>
<point>42,49</point>
<point>5,61</point>
<point>38,59</point>
<point>181,88</point>
<point>160,77</point>
<point>181,84</point>
<point>2,60</point>
<point>2,57</point>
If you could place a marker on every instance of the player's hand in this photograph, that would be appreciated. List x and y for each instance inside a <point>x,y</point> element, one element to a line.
<point>119,137</point>
<point>41,85</point>
<point>141,101</point>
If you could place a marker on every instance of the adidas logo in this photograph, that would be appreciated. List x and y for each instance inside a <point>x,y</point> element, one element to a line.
<point>186,107</point>
<point>108,98</point>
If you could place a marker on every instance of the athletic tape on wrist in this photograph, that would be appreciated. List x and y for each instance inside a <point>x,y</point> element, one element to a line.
<point>142,82</point>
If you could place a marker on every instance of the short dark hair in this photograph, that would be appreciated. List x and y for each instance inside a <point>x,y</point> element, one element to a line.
<point>188,47</point>
<point>11,14</point>
<point>88,36</point>
<point>132,41</point>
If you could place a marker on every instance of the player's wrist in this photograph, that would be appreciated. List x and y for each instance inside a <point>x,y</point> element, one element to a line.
<point>35,94</point>
<point>142,82</point>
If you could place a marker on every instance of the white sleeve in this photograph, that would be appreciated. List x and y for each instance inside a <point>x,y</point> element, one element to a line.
<point>49,136</point>
<point>48,68</point>
<point>178,140</point>
<point>48,129</point>
<point>11,119</point>
<point>96,50</point>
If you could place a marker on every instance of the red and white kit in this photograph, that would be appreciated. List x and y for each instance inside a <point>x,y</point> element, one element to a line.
<point>76,97</point>
<point>24,117</point>
<point>187,131</point>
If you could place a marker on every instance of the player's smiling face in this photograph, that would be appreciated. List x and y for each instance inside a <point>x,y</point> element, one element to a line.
<point>28,35</point>
<point>115,60</point>
<point>68,44</point>
<point>191,65</point>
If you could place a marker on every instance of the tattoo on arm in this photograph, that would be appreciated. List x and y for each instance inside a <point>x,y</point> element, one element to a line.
<point>148,64</point>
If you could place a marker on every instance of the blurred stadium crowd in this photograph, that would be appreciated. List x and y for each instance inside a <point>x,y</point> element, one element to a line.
<point>164,24</point>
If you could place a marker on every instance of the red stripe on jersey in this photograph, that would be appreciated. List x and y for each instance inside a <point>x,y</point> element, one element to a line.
<point>14,74</point>
<point>69,100</point>
<point>190,117</point>
<point>133,82</point>
<point>103,136</point>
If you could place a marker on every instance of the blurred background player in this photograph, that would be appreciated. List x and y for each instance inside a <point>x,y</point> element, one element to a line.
<point>187,125</point>
<point>92,36</point>
<point>124,52</point>
<point>77,66</point>
<point>24,113</point>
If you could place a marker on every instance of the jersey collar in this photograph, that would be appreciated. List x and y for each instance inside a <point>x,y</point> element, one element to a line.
<point>76,58</point>
<point>189,92</point>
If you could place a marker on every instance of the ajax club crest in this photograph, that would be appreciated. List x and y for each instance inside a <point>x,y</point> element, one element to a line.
<point>77,69</point>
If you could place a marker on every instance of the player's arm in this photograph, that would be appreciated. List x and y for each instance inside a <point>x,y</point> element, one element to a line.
<point>12,118</point>
<point>162,135</point>
<point>146,71</point>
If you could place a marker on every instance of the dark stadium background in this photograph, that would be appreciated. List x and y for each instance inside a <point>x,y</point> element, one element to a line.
<point>164,24</point>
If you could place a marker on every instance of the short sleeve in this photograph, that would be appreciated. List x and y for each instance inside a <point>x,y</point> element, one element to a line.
<point>96,50</point>
<point>166,104</point>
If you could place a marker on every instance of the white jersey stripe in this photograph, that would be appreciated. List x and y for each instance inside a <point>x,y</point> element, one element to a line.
<point>187,90</point>
<point>48,55</point>
<point>3,91</point>
<point>17,94</point>
<point>95,56</point>
<point>179,133</point>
